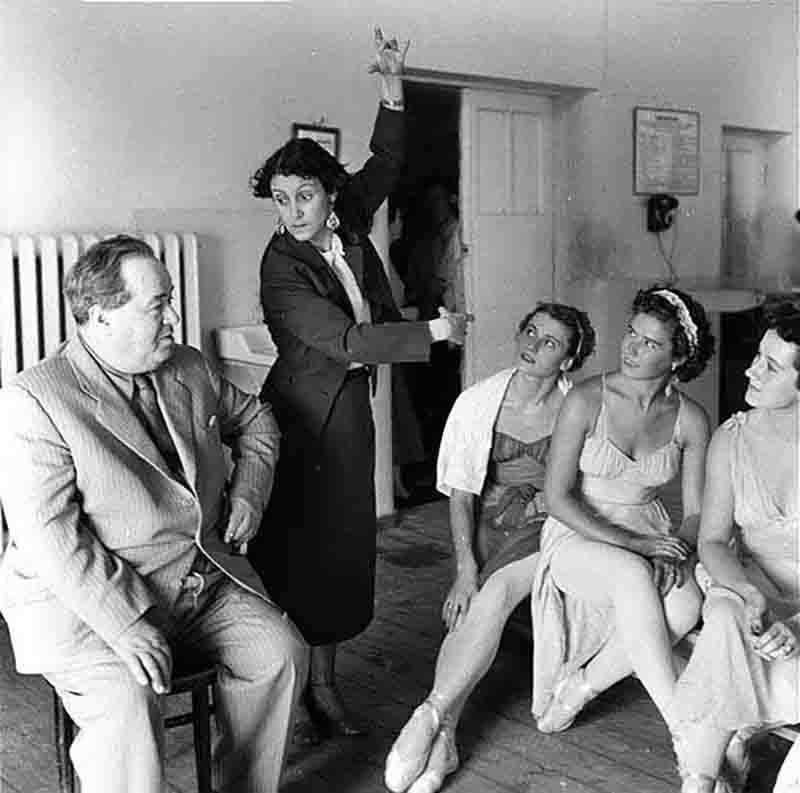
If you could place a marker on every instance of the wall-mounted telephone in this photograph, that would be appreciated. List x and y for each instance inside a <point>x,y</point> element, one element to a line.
<point>661,211</point>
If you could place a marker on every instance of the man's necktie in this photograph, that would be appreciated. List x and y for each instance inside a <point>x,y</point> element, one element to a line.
<point>145,404</point>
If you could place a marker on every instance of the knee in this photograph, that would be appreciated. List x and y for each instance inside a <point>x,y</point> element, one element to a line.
<point>268,650</point>
<point>133,703</point>
<point>683,607</point>
<point>720,610</point>
<point>284,649</point>
<point>633,575</point>
<point>497,599</point>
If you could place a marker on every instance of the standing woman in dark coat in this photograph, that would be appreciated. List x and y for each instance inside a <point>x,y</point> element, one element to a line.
<point>330,311</point>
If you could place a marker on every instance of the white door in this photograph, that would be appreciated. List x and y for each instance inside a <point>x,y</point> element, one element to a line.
<point>744,206</point>
<point>506,201</point>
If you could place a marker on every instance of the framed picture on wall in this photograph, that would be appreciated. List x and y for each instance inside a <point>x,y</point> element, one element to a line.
<point>666,151</point>
<point>327,137</point>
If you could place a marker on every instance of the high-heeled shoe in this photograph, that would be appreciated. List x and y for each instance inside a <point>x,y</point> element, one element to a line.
<point>410,752</point>
<point>305,732</point>
<point>570,696</point>
<point>329,711</point>
<point>443,761</point>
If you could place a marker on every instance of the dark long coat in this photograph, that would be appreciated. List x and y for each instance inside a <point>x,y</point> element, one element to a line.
<point>316,548</point>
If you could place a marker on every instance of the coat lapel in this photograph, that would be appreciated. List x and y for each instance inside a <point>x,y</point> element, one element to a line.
<point>355,259</point>
<point>112,409</point>
<point>328,284</point>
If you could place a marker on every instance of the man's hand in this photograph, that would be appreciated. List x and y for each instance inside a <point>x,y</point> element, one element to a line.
<point>145,651</point>
<point>243,524</point>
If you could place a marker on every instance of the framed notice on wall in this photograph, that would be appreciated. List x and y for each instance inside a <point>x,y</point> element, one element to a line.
<point>666,151</point>
<point>327,137</point>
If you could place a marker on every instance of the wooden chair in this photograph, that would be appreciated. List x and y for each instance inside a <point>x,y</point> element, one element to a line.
<point>200,717</point>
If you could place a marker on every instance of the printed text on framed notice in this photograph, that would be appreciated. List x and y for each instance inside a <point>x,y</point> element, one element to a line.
<point>666,151</point>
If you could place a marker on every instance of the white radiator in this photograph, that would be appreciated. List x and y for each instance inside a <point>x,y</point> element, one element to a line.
<point>34,318</point>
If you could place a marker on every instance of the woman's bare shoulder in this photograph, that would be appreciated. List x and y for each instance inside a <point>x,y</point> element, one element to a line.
<point>585,397</point>
<point>694,418</point>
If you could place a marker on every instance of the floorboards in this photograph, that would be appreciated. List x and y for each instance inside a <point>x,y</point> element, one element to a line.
<point>619,745</point>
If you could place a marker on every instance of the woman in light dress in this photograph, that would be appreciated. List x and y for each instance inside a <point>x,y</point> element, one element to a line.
<point>614,589</point>
<point>491,465</point>
<point>743,674</point>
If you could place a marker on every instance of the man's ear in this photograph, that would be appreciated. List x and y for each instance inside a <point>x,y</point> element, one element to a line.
<point>97,316</point>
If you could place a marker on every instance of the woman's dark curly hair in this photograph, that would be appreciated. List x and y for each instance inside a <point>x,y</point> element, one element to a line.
<point>783,316</point>
<point>305,158</point>
<point>299,157</point>
<point>582,335</point>
<point>648,301</point>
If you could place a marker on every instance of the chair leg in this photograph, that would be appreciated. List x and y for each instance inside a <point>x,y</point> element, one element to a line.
<point>64,729</point>
<point>201,717</point>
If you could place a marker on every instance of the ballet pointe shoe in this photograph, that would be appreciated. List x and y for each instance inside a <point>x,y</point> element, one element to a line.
<point>699,783</point>
<point>736,767</point>
<point>410,752</point>
<point>570,696</point>
<point>442,762</point>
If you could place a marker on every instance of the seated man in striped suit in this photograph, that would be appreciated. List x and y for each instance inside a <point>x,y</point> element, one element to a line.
<point>126,535</point>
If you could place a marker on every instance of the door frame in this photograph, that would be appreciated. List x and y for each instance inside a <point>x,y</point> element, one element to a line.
<point>562,98</point>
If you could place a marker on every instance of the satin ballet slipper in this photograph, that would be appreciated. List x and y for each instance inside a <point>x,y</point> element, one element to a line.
<point>699,783</point>
<point>570,696</point>
<point>410,752</point>
<point>442,762</point>
<point>737,764</point>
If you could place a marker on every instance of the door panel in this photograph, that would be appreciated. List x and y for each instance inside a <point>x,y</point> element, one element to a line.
<point>506,196</point>
<point>744,204</point>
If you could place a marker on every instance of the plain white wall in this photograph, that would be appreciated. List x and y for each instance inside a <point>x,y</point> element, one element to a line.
<point>123,115</point>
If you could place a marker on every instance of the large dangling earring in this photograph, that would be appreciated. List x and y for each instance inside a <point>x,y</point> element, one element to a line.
<point>670,387</point>
<point>280,227</point>
<point>564,381</point>
<point>333,221</point>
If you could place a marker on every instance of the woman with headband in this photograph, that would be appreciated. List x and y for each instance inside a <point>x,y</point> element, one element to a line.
<point>614,589</point>
<point>491,465</point>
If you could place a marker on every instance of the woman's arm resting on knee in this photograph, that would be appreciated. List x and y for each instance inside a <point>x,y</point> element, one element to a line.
<point>695,432</point>
<point>574,423</point>
<point>462,527</point>
<point>716,530</point>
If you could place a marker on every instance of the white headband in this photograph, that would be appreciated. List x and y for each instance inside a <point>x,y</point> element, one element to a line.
<point>684,317</point>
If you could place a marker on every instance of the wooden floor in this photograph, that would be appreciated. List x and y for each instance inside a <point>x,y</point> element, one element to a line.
<point>620,744</point>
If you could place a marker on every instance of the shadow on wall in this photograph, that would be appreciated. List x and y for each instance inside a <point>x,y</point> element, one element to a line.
<point>595,252</point>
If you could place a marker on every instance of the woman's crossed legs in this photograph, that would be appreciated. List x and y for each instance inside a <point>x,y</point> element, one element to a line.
<point>646,625</point>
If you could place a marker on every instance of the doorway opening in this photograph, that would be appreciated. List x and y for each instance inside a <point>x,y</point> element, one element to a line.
<point>425,252</point>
